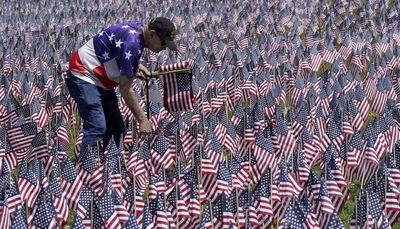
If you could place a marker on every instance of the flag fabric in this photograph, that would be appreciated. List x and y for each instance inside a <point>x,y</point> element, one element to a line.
<point>178,94</point>
<point>71,184</point>
<point>28,184</point>
<point>20,138</point>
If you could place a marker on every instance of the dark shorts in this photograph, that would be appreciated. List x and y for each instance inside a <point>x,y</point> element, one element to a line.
<point>99,110</point>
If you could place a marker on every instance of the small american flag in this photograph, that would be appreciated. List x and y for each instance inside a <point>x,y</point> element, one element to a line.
<point>19,220</point>
<point>20,138</point>
<point>178,94</point>
<point>28,185</point>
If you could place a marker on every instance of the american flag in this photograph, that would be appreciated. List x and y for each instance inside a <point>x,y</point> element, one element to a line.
<point>121,210</point>
<point>357,150</point>
<point>78,222</point>
<point>58,200</point>
<point>380,98</point>
<point>39,147</point>
<point>286,140</point>
<point>107,211</point>
<point>20,138</point>
<point>44,215</point>
<point>147,218</point>
<point>288,186</point>
<point>161,154</point>
<point>14,198</point>
<point>335,222</point>
<point>28,185</point>
<point>311,219</point>
<point>239,173</point>
<point>178,94</point>
<point>206,218</point>
<point>19,220</point>
<point>6,215</point>
<point>263,151</point>
<point>224,180</point>
<point>161,214</point>
<point>262,195</point>
<point>325,206</point>
<point>71,184</point>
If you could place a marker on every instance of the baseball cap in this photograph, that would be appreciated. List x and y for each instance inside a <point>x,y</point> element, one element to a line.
<point>165,29</point>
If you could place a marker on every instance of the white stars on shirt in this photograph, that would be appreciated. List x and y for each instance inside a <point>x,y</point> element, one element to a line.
<point>101,33</point>
<point>128,55</point>
<point>139,51</point>
<point>125,26</point>
<point>118,43</point>
<point>111,37</point>
<point>106,55</point>
<point>133,32</point>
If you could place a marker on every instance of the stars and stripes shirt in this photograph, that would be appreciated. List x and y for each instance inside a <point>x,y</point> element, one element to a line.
<point>112,53</point>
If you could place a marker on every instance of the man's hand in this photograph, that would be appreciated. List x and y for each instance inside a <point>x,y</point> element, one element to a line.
<point>143,71</point>
<point>145,128</point>
<point>131,101</point>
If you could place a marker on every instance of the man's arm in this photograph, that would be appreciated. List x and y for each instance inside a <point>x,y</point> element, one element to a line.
<point>133,104</point>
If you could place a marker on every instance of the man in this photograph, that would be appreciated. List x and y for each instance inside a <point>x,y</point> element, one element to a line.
<point>109,59</point>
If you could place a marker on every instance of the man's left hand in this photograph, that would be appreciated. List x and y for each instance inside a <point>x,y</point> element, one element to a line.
<point>143,71</point>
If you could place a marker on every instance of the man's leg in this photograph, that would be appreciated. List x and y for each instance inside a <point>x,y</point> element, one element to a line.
<point>90,109</point>
<point>114,122</point>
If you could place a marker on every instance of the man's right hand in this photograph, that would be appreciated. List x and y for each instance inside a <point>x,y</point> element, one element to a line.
<point>145,128</point>
<point>131,101</point>
<point>145,71</point>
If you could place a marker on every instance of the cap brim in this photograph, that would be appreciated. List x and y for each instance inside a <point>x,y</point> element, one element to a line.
<point>170,44</point>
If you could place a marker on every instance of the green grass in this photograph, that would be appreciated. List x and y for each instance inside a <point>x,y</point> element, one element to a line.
<point>348,208</point>
<point>70,219</point>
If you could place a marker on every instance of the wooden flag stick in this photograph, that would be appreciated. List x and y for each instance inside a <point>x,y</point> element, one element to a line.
<point>247,218</point>
<point>134,196</point>
<point>91,213</point>
<point>133,186</point>
<point>155,74</point>
<point>385,181</point>
<point>98,150</point>
<point>237,208</point>
<point>356,208</point>
<point>177,211</point>
<point>211,214</point>
<point>176,184</point>
<point>394,153</point>
<point>165,197</point>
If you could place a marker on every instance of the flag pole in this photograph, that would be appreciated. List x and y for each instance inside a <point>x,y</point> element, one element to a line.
<point>165,197</point>
<point>176,185</point>
<point>237,208</point>
<point>52,41</point>
<point>385,181</point>
<point>134,196</point>
<point>367,208</point>
<point>177,196</point>
<point>98,150</point>
<point>211,214</point>
<point>158,74</point>
<point>91,213</point>
<point>356,210</point>
<point>147,101</point>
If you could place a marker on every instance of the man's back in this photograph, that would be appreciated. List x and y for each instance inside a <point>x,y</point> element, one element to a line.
<point>113,52</point>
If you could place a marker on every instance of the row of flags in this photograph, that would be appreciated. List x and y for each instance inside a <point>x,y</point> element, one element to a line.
<point>274,96</point>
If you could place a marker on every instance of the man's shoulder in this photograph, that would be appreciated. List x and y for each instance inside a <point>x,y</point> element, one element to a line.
<point>128,25</point>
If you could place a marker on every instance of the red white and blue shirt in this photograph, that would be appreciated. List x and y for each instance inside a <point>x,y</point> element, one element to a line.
<point>110,54</point>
